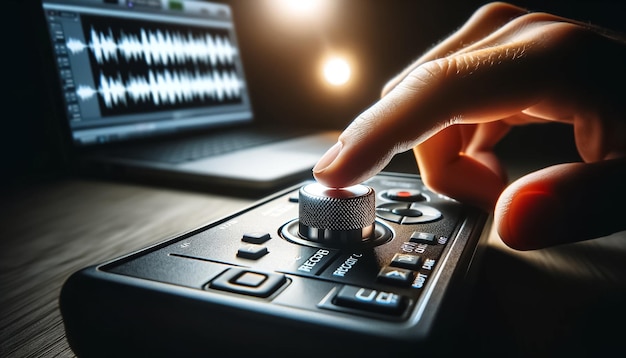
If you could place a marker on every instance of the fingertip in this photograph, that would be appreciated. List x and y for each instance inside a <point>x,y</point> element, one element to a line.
<point>357,156</point>
<point>326,172</point>
<point>334,170</point>
<point>562,204</point>
<point>530,219</point>
<point>327,159</point>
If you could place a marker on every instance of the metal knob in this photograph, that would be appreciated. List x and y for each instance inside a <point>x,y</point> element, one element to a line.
<point>337,216</point>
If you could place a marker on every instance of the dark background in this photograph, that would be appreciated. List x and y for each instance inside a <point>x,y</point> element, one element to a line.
<point>281,58</point>
<point>568,299</point>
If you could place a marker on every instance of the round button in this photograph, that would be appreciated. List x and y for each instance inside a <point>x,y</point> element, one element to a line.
<point>336,215</point>
<point>428,214</point>
<point>408,195</point>
<point>407,212</point>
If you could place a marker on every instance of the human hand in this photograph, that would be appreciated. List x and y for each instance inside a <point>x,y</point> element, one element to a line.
<point>505,67</point>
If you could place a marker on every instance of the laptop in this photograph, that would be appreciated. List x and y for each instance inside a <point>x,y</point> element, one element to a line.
<point>156,89</point>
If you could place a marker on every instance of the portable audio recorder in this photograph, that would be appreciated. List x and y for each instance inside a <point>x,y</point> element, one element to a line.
<point>377,269</point>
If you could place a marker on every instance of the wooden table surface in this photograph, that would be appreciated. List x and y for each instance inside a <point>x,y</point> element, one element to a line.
<point>51,230</point>
<point>566,300</point>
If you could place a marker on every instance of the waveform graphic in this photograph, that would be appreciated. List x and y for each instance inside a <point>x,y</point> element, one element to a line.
<point>156,47</point>
<point>165,87</point>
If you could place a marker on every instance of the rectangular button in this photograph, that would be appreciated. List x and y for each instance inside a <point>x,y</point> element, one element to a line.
<point>396,276</point>
<point>308,261</point>
<point>355,269</point>
<point>407,261</point>
<point>253,252</point>
<point>423,238</point>
<point>370,300</point>
<point>256,237</point>
<point>314,263</point>
<point>250,279</point>
<point>246,282</point>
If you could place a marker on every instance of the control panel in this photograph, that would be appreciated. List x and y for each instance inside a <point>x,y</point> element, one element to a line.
<point>358,270</point>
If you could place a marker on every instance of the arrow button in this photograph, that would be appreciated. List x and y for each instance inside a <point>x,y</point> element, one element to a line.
<point>396,276</point>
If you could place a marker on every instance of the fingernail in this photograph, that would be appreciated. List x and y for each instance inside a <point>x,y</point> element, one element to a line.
<point>328,157</point>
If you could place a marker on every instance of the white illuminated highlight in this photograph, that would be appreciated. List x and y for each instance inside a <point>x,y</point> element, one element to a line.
<point>337,71</point>
<point>299,10</point>
<point>302,6</point>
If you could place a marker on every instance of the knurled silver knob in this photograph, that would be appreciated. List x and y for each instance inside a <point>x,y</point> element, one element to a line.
<point>337,216</point>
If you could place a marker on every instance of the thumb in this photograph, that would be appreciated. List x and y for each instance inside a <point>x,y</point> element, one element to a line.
<point>564,203</point>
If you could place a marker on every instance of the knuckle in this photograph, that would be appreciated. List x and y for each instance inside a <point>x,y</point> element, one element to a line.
<point>495,11</point>
<point>427,74</point>
<point>532,18</point>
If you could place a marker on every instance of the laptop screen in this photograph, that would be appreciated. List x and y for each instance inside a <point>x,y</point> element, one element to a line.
<point>138,68</point>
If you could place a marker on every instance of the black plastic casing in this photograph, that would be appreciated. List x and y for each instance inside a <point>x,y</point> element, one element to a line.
<point>160,301</point>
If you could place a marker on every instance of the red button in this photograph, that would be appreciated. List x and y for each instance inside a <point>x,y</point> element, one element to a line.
<point>407,195</point>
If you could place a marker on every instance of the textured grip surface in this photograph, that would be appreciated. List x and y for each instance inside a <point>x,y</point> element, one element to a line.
<point>350,208</point>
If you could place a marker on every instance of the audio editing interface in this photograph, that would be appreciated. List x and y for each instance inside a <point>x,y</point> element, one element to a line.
<point>376,269</point>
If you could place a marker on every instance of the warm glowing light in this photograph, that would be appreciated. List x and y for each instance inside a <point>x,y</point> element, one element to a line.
<point>304,7</point>
<point>301,6</point>
<point>301,14</point>
<point>337,71</point>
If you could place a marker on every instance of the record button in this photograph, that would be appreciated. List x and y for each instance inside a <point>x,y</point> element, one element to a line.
<point>409,195</point>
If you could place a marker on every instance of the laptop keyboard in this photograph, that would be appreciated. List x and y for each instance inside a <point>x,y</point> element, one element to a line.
<point>200,147</point>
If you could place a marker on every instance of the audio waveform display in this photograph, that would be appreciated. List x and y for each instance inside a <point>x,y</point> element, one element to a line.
<point>165,88</point>
<point>156,47</point>
<point>144,66</point>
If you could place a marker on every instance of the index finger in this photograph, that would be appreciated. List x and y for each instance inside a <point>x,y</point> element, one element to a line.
<point>469,87</point>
